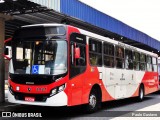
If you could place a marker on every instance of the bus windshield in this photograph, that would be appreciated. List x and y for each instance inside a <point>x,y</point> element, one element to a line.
<point>39,57</point>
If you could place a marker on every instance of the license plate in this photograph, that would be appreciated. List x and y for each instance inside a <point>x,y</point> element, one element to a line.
<point>30,99</point>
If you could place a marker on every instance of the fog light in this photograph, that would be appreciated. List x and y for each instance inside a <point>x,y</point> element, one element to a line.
<point>17,88</point>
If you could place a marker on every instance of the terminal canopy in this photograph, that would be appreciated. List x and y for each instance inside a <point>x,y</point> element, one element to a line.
<point>25,12</point>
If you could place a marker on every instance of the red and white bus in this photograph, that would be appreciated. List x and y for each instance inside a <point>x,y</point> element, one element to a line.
<point>61,65</point>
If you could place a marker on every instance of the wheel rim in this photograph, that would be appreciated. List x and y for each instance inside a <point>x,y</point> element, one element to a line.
<point>92,101</point>
<point>141,94</point>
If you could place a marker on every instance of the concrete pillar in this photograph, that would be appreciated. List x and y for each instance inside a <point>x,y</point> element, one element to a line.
<point>2,24</point>
<point>2,37</point>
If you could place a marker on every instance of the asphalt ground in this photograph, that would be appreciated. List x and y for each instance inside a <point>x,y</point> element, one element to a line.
<point>110,110</point>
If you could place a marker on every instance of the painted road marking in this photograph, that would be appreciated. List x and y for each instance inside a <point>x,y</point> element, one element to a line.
<point>11,105</point>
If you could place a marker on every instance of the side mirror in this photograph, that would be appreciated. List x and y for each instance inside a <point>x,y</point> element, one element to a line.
<point>77,53</point>
<point>6,51</point>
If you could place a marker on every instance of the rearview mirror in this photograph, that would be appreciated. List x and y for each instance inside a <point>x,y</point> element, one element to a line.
<point>77,52</point>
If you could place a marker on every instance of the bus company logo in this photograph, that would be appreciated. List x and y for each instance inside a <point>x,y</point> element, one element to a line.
<point>29,89</point>
<point>122,78</point>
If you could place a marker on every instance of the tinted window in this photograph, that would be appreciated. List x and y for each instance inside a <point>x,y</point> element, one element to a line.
<point>108,50</point>
<point>136,59</point>
<point>77,65</point>
<point>95,46</point>
<point>149,63</point>
<point>82,60</point>
<point>143,62</point>
<point>119,57</point>
<point>154,64</point>
<point>154,60</point>
<point>95,52</point>
<point>128,59</point>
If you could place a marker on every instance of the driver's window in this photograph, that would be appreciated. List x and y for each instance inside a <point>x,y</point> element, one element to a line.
<point>77,54</point>
<point>82,60</point>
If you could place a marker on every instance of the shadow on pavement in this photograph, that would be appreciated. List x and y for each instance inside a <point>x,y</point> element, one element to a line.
<point>109,109</point>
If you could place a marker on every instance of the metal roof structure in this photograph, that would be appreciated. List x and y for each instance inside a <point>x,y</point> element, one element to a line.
<point>25,12</point>
<point>79,10</point>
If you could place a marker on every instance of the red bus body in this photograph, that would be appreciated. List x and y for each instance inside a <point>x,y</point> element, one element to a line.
<point>112,83</point>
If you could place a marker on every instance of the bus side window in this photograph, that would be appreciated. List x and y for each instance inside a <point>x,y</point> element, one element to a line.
<point>108,50</point>
<point>136,60</point>
<point>149,63</point>
<point>154,64</point>
<point>142,62</point>
<point>119,57</point>
<point>128,59</point>
<point>95,52</point>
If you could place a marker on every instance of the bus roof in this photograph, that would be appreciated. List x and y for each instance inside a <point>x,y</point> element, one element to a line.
<point>96,36</point>
<point>99,37</point>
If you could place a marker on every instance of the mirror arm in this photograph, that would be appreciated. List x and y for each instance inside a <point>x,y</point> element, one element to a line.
<point>5,56</point>
<point>7,40</point>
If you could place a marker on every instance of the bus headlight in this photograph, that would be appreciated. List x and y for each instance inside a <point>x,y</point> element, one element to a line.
<point>53,92</point>
<point>11,90</point>
<point>57,90</point>
<point>61,88</point>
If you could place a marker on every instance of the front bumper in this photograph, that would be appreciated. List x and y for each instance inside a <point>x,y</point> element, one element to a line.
<point>59,99</point>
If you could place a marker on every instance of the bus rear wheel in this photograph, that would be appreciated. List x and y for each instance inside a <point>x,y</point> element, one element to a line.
<point>94,102</point>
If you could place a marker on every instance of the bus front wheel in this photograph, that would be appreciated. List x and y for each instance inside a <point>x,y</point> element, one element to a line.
<point>94,102</point>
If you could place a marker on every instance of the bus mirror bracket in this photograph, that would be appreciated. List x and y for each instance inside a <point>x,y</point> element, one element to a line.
<point>6,51</point>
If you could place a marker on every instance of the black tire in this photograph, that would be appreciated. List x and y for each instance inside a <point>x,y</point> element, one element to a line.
<point>141,94</point>
<point>94,102</point>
